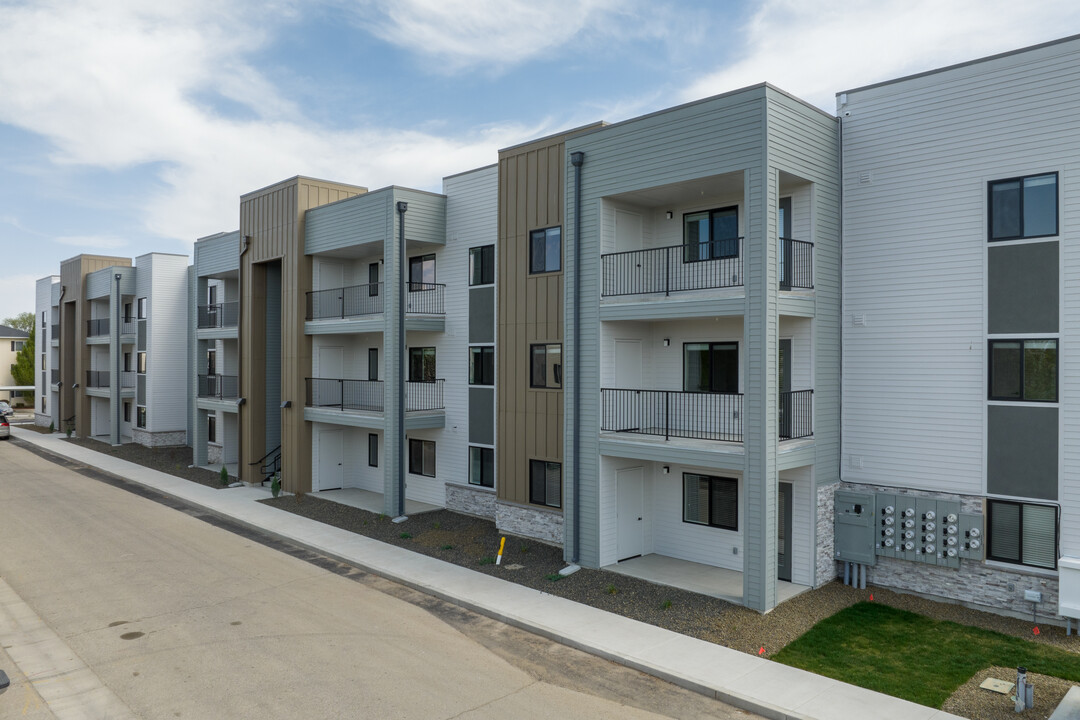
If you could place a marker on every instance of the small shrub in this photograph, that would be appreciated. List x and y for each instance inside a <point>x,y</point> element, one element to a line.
<point>523,549</point>
<point>487,560</point>
<point>275,485</point>
<point>437,525</point>
<point>612,590</point>
<point>52,427</point>
<point>447,547</point>
<point>666,605</point>
<point>554,577</point>
<point>405,536</point>
<point>224,476</point>
<point>69,431</point>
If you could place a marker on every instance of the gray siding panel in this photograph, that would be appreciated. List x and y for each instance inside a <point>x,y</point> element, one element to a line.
<point>1022,288</point>
<point>1022,451</point>
<point>482,315</point>
<point>218,254</point>
<point>358,220</point>
<point>482,415</point>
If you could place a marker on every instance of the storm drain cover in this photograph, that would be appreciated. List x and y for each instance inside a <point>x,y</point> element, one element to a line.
<point>999,686</point>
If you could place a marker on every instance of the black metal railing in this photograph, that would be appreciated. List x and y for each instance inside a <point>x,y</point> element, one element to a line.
<point>796,414</point>
<point>219,386</point>
<point>344,302</point>
<point>54,376</point>
<point>128,326</point>
<point>269,464</point>
<point>54,331</point>
<point>796,264</point>
<point>672,413</point>
<point>425,298</point>
<point>219,315</point>
<point>128,379</point>
<point>97,327</point>
<point>716,264</point>
<point>424,395</point>
<point>97,378</point>
<point>363,395</point>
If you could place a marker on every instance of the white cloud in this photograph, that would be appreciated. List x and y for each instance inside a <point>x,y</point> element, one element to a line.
<point>815,49</point>
<point>90,243</point>
<point>17,293</point>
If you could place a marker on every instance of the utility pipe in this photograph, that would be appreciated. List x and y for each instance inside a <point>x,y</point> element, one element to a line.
<point>402,207</point>
<point>577,159</point>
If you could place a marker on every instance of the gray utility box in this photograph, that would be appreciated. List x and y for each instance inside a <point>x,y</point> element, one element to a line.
<point>970,540</point>
<point>919,529</point>
<point>855,527</point>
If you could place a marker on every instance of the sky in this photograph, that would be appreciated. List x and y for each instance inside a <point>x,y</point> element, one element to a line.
<point>129,126</point>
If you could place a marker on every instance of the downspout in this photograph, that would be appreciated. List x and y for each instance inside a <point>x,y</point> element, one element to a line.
<point>245,240</point>
<point>61,406</point>
<point>119,352</point>
<point>577,159</point>
<point>402,207</point>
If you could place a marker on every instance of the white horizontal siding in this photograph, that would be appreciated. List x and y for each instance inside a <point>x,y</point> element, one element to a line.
<point>167,337</point>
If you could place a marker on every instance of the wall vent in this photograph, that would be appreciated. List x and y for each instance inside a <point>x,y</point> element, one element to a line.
<point>865,177</point>
<point>858,319</point>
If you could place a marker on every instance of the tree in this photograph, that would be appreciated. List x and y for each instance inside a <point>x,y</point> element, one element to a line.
<point>23,321</point>
<point>23,369</point>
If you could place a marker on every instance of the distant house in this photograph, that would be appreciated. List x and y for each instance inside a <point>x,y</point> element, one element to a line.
<point>11,342</point>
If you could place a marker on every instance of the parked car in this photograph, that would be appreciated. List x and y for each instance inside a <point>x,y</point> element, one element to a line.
<point>6,409</point>
<point>5,429</point>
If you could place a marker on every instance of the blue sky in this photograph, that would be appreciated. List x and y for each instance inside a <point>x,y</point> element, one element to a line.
<point>129,126</point>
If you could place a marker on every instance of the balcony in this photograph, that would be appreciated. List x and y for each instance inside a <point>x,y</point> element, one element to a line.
<point>219,315</point>
<point>103,379</point>
<point>54,331</point>
<point>796,264</point>
<point>97,328</point>
<point>367,395</point>
<point>54,376</point>
<point>672,413</point>
<point>796,414</point>
<point>219,386</point>
<point>128,326</point>
<point>360,300</point>
<point>677,268</point>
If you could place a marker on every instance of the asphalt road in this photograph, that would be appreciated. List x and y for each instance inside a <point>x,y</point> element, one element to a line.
<point>113,604</point>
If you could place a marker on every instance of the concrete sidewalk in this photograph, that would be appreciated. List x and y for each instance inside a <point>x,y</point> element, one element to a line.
<point>755,684</point>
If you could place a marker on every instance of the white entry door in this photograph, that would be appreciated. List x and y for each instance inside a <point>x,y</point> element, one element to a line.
<point>331,457</point>
<point>627,231</point>
<point>630,489</point>
<point>628,364</point>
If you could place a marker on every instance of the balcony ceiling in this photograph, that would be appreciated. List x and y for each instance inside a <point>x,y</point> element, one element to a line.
<point>688,192</point>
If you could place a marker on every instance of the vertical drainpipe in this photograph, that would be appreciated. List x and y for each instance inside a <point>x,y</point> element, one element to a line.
<point>400,395</point>
<point>119,351</point>
<point>577,159</point>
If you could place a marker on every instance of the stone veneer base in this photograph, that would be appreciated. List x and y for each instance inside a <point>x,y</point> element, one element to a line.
<point>540,524</point>
<point>824,562</point>
<point>471,500</point>
<point>159,439</point>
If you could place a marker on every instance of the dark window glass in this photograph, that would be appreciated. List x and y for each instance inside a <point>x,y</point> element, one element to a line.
<point>141,302</point>
<point>711,367</point>
<point>545,483</point>
<point>421,272</point>
<point>127,362</point>
<point>545,250</point>
<point>482,366</point>
<point>545,366</point>
<point>373,450</point>
<point>482,265</point>
<point>1022,533</point>
<point>141,359</point>
<point>1024,370</point>
<point>211,362</point>
<point>1024,207</point>
<point>140,417</point>
<point>482,466</point>
<point>711,235</point>
<point>373,364</point>
<point>712,501</point>
<point>127,412</point>
<point>422,364</point>
<point>422,457</point>
<point>211,294</point>
<point>211,428</point>
<point>373,279</point>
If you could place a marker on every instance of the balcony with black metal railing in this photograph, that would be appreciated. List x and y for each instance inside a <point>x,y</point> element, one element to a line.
<point>219,315</point>
<point>97,328</point>
<point>219,386</point>
<point>673,269</point>
<point>673,413</point>
<point>366,396</point>
<point>98,378</point>
<point>796,264</point>
<point>796,414</point>
<point>360,300</point>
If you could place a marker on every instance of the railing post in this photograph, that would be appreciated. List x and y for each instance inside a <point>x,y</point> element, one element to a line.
<point>667,274</point>
<point>667,415</point>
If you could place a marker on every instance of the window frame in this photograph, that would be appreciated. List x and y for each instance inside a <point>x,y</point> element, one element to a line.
<point>373,364</point>
<point>990,369</point>
<point>421,261</point>
<point>140,311</point>
<point>542,234</point>
<point>486,375</point>
<point>715,481</point>
<point>484,480</point>
<point>486,268</point>
<point>712,375</point>
<point>373,450</point>
<point>556,367</point>
<point>140,362</point>
<point>990,502</point>
<point>423,366</point>
<point>545,502</point>
<point>423,457</point>
<point>714,245</point>
<point>211,427</point>
<point>140,416</point>
<point>1020,210</point>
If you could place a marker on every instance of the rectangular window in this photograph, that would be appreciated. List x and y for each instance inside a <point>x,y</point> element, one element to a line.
<point>141,359</point>
<point>211,295</point>
<point>482,365</point>
<point>42,361</point>
<point>1024,207</point>
<point>42,403</point>
<point>1022,533</point>
<point>711,235</point>
<point>141,308</point>
<point>373,450</point>
<point>140,417</point>
<point>545,250</point>
<point>373,364</point>
<point>1023,370</point>
<point>373,279</point>
<point>127,362</point>
<point>127,312</point>
<point>127,412</point>
<point>481,466</point>
<point>211,428</point>
<point>421,272</point>
<point>545,366</point>
<point>17,345</point>
<point>545,483</point>
<point>42,319</point>
<point>482,265</point>
<point>711,367</point>
<point>712,501</point>
<point>422,457</point>
<point>422,364</point>
<point>211,362</point>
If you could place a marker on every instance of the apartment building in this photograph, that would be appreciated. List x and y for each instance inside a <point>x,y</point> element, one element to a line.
<point>47,348</point>
<point>119,368</point>
<point>11,343</point>
<point>960,321</point>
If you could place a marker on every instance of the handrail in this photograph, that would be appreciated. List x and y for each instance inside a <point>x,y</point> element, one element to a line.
<point>275,450</point>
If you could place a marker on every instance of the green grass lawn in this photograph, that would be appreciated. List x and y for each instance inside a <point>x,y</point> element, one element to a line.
<point>912,656</point>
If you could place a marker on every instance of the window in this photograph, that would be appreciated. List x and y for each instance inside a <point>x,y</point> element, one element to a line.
<point>545,366</point>
<point>422,364</point>
<point>43,361</point>
<point>711,367</point>
<point>373,279</point>
<point>1022,533</point>
<point>712,501</point>
<point>211,295</point>
<point>711,235</point>
<point>545,250</point>
<point>373,450</point>
<point>1024,207</point>
<point>42,403</point>
<point>421,272</point>
<point>127,312</point>
<point>42,319</point>
<point>373,364</point>
<point>142,308</point>
<point>211,362</point>
<point>127,412</point>
<point>481,466</point>
<point>422,457</point>
<point>545,483</point>
<point>141,358</point>
<point>482,265</point>
<point>140,417</point>
<point>211,428</point>
<point>482,365</point>
<point>127,362</point>
<point>17,345</point>
<point>1023,370</point>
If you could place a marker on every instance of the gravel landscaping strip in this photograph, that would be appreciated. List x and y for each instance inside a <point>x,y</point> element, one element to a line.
<point>174,460</point>
<point>974,702</point>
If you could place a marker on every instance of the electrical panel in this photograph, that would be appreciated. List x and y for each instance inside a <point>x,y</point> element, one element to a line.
<point>970,539</point>
<point>854,527</point>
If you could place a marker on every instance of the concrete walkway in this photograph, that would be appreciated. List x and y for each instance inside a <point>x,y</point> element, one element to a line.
<point>755,684</point>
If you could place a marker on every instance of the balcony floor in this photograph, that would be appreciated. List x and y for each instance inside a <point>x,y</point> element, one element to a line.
<point>696,577</point>
<point>371,501</point>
